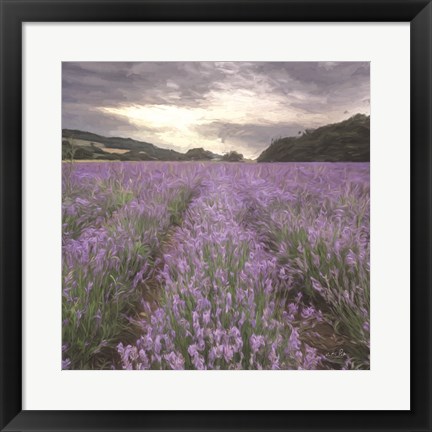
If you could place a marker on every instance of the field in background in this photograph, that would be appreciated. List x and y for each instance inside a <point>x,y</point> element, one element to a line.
<point>195,265</point>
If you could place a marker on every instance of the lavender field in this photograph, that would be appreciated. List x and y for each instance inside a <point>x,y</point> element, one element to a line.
<point>195,265</point>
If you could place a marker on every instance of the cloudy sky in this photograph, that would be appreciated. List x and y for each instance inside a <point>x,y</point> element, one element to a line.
<point>220,106</point>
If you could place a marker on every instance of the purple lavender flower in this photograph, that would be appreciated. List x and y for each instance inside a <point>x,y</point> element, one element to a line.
<point>236,282</point>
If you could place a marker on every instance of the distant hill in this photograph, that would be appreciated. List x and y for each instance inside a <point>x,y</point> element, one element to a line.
<point>87,145</point>
<point>201,154</point>
<point>78,145</point>
<point>347,141</point>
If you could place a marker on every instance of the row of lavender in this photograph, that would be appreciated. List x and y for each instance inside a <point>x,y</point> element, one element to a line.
<point>236,267</point>
<point>115,218</point>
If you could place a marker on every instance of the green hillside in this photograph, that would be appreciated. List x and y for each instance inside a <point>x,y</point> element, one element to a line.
<point>347,141</point>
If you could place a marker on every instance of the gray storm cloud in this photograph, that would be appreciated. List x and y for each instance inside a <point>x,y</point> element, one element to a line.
<point>221,106</point>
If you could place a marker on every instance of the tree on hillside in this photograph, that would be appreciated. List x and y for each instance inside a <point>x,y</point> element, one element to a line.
<point>232,156</point>
<point>69,149</point>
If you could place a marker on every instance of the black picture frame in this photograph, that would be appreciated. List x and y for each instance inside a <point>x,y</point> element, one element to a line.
<point>16,12</point>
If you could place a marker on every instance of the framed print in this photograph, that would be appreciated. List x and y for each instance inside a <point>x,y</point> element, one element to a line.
<point>215,215</point>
